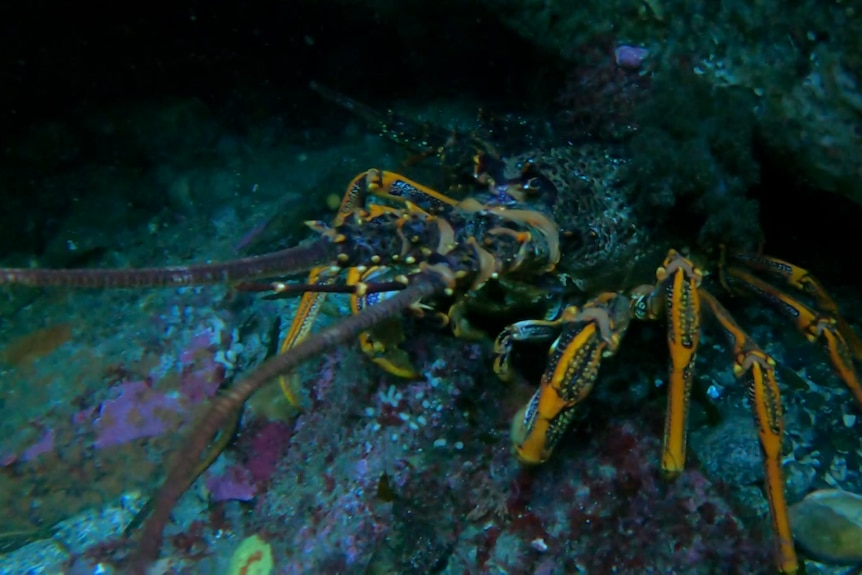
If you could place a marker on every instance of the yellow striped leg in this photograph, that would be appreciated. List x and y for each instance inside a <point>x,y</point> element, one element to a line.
<point>815,327</point>
<point>310,303</point>
<point>759,370</point>
<point>802,280</point>
<point>381,343</point>
<point>303,321</point>
<point>679,279</point>
<point>588,335</point>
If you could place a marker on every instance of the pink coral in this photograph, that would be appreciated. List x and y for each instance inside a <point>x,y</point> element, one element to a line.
<point>266,449</point>
<point>138,411</point>
<point>235,483</point>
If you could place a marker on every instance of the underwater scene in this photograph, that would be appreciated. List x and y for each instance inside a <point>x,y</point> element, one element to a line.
<point>455,287</point>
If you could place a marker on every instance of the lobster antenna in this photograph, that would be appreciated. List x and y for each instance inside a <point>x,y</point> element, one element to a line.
<point>282,290</point>
<point>224,406</point>
<point>283,262</point>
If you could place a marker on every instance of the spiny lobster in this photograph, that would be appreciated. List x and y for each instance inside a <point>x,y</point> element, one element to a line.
<point>557,219</point>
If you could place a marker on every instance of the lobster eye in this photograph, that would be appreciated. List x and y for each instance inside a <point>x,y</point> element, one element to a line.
<point>640,309</point>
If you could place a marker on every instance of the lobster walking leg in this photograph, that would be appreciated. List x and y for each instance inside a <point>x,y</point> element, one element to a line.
<point>311,302</point>
<point>676,294</point>
<point>820,327</point>
<point>588,335</point>
<point>759,370</point>
<point>801,279</point>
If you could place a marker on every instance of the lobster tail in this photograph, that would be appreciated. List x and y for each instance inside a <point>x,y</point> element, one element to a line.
<point>284,262</point>
<point>181,473</point>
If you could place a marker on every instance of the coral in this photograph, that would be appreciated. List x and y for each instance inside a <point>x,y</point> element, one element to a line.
<point>266,448</point>
<point>140,410</point>
<point>263,446</point>
<point>236,482</point>
<point>137,411</point>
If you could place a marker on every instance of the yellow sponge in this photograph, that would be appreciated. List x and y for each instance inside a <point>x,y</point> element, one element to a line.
<point>252,557</point>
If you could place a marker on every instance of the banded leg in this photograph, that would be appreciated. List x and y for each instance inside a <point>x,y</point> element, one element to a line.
<point>400,190</point>
<point>588,335</point>
<point>802,280</point>
<point>536,331</point>
<point>758,368</point>
<point>393,189</point>
<point>381,343</point>
<point>676,294</point>
<point>815,327</point>
<point>310,303</point>
<point>306,314</point>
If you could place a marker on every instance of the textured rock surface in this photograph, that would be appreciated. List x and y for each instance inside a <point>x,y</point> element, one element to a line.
<point>803,61</point>
<point>828,524</point>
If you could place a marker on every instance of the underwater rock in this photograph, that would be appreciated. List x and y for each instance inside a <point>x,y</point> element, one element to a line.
<point>828,525</point>
<point>808,89</point>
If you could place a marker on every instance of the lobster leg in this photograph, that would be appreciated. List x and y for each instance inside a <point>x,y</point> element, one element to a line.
<point>675,293</point>
<point>310,303</point>
<point>588,335</point>
<point>814,326</point>
<point>802,280</point>
<point>306,314</point>
<point>395,190</point>
<point>758,368</point>
<point>681,281</point>
<point>381,343</point>
<point>528,330</point>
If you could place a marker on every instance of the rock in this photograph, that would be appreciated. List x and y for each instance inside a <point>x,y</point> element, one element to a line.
<point>805,67</point>
<point>828,525</point>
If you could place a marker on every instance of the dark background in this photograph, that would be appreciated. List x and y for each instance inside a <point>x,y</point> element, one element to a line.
<point>247,60</point>
<point>59,59</point>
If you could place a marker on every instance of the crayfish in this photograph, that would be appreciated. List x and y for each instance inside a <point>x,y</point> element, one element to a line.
<point>557,219</point>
